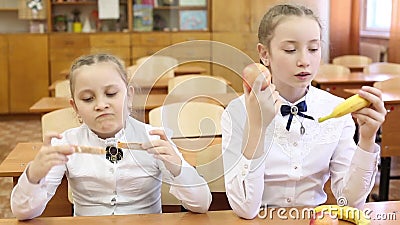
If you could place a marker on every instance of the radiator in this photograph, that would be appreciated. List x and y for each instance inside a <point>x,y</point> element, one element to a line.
<point>378,53</point>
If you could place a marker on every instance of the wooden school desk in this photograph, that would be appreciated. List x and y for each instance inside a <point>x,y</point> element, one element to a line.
<point>390,137</point>
<point>379,210</point>
<point>337,84</point>
<point>48,104</point>
<point>15,163</point>
<point>180,70</point>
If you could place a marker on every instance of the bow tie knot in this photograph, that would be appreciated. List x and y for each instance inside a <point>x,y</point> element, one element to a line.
<point>293,110</point>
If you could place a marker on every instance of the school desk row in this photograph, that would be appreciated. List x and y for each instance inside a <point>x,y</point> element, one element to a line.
<point>333,84</point>
<point>17,160</point>
<point>141,102</point>
<point>161,85</point>
<point>382,213</point>
<point>339,85</point>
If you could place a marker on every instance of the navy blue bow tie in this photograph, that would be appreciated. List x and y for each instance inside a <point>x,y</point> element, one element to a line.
<point>294,110</point>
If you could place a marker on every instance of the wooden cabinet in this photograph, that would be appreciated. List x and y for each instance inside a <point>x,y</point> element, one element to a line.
<point>60,16</point>
<point>177,15</point>
<point>116,43</point>
<point>148,43</point>
<point>173,15</point>
<point>65,48</point>
<point>4,74</point>
<point>192,49</point>
<point>28,70</point>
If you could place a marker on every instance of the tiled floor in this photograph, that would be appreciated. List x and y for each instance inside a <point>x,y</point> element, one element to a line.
<point>14,130</point>
<point>28,129</point>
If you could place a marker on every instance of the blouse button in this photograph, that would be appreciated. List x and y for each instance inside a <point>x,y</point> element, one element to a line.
<point>246,166</point>
<point>113,200</point>
<point>288,200</point>
<point>295,144</point>
<point>111,170</point>
<point>295,167</point>
<point>243,173</point>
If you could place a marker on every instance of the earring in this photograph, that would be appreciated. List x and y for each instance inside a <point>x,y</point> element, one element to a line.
<point>80,119</point>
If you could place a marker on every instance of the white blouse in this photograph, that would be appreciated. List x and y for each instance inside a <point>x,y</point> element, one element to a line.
<point>294,167</point>
<point>99,187</point>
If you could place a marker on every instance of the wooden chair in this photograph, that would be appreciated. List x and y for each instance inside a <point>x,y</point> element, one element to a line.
<point>62,89</point>
<point>376,52</point>
<point>188,119</point>
<point>59,121</point>
<point>131,71</point>
<point>210,167</point>
<point>382,67</point>
<point>197,85</point>
<point>354,62</point>
<point>152,68</point>
<point>387,134</point>
<point>393,83</point>
<point>333,69</point>
<point>168,201</point>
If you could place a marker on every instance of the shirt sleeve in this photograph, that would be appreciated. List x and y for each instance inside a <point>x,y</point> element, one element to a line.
<point>188,187</point>
<point>353,170</point>
<point>29,200</point>
<point>244,179</point>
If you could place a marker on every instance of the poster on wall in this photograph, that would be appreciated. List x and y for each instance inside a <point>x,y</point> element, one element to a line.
<point>193,20</point>
<point>192,2</point>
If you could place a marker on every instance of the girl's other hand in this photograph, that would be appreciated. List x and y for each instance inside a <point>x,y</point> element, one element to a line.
<point>163,150</point>
<point>370,118</point>
<point>47,157</point>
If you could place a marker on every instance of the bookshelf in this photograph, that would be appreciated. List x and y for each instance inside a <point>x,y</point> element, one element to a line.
<point>63,14</point>
<point>174,15</point>
<point>135,15</point>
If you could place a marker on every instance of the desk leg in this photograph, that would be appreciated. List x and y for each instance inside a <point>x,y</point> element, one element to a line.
<point>384,179</point>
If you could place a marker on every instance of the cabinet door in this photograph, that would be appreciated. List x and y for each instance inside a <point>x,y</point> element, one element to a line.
<point>64,48</point>
<point>148,43</point>
<point>28,69</point>
<point>3,74</point>
<point>116,44</point>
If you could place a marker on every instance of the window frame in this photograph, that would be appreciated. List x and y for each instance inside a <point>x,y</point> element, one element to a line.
<point>368,32</point>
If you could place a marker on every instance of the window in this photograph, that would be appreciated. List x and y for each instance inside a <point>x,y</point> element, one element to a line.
<point>376,17</point>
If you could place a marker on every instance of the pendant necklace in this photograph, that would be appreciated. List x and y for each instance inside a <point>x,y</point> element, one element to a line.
<point>302,129</point>
<point>294,110</point>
